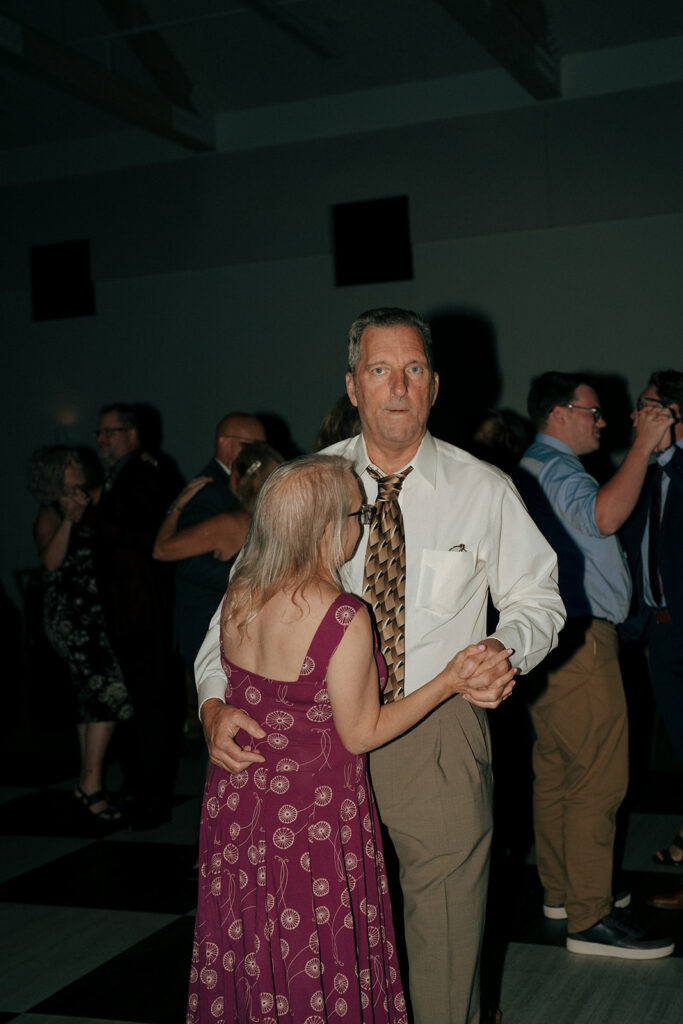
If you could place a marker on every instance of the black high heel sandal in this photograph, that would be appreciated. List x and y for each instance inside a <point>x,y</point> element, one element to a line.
<point>109,814</point>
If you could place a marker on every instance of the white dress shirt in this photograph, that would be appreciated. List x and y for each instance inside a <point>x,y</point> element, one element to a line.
<point>467,532</point>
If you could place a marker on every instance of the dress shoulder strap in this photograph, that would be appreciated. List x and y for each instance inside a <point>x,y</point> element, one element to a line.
<point>329,635</point>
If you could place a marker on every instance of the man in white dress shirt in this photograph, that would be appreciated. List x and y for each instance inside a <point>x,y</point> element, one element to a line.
<point>466,534</point>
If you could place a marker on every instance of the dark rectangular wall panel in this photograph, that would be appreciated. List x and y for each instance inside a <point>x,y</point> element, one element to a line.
<point>61,284</point>
<point>372,241</point>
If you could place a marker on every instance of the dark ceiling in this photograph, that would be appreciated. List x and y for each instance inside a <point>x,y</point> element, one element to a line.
<point>72,69</point>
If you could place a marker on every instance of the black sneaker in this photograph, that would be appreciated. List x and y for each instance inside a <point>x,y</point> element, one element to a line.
<point>616,935</point>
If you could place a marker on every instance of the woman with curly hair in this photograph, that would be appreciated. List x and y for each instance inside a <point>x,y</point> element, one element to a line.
<point>67,483</point>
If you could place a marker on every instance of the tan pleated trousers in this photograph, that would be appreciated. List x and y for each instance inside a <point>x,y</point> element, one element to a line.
<point>434,791</point>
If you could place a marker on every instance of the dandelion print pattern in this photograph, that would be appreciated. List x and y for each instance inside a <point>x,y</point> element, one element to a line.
<point>293,922</point>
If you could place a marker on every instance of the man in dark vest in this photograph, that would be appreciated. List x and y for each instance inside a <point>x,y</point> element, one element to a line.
<point>137,595</point>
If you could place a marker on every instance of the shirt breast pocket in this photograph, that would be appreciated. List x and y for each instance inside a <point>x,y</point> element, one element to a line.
<point>447,581</point>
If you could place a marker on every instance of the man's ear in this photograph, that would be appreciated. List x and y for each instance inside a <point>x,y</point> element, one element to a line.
<point>557,416</point>
<point>435,386</point>
<point>351,389</point>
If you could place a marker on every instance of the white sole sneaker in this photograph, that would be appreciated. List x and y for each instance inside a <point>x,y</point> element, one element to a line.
<point>622,952</point>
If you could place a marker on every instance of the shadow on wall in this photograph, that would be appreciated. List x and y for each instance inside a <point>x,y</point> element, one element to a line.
<point>279,435</point>
<point>466,359</point>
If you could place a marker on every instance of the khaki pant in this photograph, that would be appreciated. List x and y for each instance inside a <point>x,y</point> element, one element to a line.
<point>434,788</point>
<point>580,761</point>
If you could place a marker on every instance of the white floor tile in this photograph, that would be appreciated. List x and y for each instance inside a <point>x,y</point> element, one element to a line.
<point>65,943</point>
<point>544,984</point>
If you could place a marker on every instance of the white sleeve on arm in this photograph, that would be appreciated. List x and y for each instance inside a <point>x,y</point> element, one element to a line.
<point>522,576</point>
<point>208,671</point>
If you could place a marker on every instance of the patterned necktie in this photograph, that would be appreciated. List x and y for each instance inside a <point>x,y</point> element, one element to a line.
<point>655,519</point>
<point>384,583</point>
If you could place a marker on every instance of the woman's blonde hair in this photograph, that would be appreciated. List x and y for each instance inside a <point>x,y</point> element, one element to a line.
<point>282,550</point>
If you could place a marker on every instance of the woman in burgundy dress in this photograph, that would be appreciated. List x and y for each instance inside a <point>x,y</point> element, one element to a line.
<point>293,922</point>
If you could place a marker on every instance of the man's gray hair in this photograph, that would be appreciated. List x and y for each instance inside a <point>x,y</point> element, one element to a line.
<point>390,316</point>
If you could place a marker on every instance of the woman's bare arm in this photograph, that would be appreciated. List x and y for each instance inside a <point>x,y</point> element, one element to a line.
<point>224,533</point>
<point>363,723</point>
<point>52,532</point>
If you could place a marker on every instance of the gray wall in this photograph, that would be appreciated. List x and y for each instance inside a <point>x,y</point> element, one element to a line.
<point>560,224</point>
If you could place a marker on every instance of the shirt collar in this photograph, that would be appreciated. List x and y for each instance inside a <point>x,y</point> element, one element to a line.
<point>223,466</point>
<point>424,462</point>
<point>554,442</point>
<point>667,455</point>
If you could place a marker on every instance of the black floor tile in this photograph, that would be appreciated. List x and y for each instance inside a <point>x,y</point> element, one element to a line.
<point>642,885</point>
<point>51,812</point>
<point>117,876</point>
<point>56,812</point>
<point>146,983</point>
<point>659,793</point>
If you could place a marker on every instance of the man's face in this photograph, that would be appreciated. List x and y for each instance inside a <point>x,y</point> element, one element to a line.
<point>238,431</point>
<point>582,431</point>
<point>113,439</point>
<point>393,389</point>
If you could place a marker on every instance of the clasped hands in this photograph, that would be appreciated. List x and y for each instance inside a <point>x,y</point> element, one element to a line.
<point>482,672</point>
<point>654,426</point>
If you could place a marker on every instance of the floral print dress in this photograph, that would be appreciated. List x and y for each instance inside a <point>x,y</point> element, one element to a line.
<point>293,923</point>
<point>74,625</point>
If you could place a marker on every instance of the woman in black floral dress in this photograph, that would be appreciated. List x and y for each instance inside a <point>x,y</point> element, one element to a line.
<point>72,611</point>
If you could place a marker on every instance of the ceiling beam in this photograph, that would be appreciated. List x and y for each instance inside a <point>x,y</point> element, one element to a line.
<point>320,40</point>
<point>151,49</point>
<point>43,57</point>
<point>504,31</point>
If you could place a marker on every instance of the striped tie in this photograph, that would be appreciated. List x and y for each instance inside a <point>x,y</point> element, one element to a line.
<point>384,583</point>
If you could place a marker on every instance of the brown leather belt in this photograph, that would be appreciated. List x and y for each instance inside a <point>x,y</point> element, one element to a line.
<point>661,615</point>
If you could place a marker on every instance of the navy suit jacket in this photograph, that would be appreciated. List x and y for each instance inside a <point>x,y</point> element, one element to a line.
<point>669,548</point>
<point>137,592</point>
<point>201,580</point>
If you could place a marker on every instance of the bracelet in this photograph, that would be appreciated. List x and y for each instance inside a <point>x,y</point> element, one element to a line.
<point>174,508</point>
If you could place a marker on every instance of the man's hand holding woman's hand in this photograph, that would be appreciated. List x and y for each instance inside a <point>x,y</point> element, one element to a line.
<point>481,673</point>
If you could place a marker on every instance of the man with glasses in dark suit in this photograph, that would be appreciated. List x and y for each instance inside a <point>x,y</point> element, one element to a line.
<point>654,540</point>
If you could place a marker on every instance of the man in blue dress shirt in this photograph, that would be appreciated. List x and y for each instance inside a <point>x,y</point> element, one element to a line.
<point>577,699</point>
